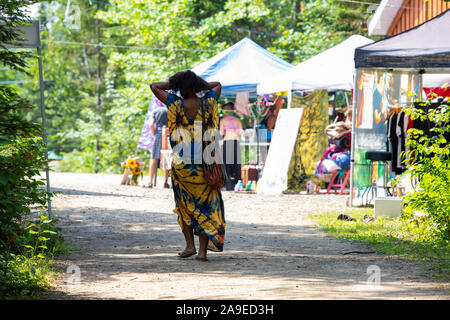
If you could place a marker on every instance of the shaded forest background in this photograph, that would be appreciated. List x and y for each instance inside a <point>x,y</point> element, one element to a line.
<point>97,69</point>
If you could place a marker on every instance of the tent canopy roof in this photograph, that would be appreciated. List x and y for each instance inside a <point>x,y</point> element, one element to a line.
<point>241,67</point>
<point>331,69</point>
<point>424,46</point>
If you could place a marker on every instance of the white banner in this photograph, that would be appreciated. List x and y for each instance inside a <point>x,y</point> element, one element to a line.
<point>274,177</point>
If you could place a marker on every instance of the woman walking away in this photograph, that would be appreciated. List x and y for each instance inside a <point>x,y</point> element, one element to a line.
<point>199,206</point>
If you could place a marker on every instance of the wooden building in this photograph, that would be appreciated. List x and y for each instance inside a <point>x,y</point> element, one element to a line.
<point>395,16</point>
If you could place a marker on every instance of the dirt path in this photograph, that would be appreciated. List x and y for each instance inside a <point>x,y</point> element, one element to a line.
<point>128,239</point>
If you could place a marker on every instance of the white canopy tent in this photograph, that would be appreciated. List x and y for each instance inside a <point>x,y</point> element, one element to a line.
<point>433,80</point>
<point>332,70</point>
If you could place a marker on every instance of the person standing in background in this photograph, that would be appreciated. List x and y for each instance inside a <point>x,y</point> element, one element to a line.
<point>158,119</point>
<point>270,117</point>
<point>231,130</point>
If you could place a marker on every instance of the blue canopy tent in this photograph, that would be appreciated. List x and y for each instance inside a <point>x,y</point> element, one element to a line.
<point>241,67</point>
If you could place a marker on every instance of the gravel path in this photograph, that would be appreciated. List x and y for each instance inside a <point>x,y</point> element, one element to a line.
<point>126,241</point>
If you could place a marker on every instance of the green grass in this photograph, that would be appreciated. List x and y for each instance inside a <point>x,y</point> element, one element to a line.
<point>392,236</point>
<point>26,267</point>
<point>25,278</point>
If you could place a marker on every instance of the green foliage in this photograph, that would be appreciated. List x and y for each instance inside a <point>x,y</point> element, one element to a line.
<point>25,269</point>
<point>38,238</point>
<point>74,80</point>
<point>430,167</point>
<point>22,277</point>
<point>21,150</point>
<point>22,157</point>
<point>20,183</point>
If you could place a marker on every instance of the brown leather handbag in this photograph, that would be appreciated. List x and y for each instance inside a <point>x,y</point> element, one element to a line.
<point>215,173</point>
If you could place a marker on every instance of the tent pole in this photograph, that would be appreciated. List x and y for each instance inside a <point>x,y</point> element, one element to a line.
<point>421,72</point>
<point>346,98</point>
<point>44,130</point>
<point>352,147</point>
<point>289,98</point>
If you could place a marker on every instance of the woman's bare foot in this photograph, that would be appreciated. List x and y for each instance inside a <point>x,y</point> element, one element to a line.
<point>187,252</point>
<point>203,248</point>
<point>201,258</point>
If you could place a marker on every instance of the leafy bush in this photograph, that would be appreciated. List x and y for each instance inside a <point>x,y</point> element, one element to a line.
<point>429,165</point>
<point>27,270</point>
<point>22,276</point>
<point>21,144</point>
<point>25,251</point>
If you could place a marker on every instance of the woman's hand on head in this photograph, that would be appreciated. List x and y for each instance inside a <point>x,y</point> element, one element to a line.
<point>159,89</point>
<point>216,87</point>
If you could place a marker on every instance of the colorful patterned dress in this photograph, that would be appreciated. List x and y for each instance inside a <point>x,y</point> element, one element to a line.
<point>198,205</point>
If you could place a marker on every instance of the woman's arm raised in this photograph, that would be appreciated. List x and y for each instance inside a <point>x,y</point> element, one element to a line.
<point>159,89</point>
<point>216,87</point>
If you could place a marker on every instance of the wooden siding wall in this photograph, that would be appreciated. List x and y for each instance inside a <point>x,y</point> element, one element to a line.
<point>415,12</point>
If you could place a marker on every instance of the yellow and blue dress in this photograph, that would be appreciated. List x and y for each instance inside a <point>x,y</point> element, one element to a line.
<point>198,205</point>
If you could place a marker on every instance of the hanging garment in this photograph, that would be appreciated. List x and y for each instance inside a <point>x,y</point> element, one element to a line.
<point>401,138</point>
<point>311,142</point>
<point>241,103</point>
<point>393,140</point>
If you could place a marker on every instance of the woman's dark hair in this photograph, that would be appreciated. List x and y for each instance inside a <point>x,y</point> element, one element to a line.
<point>228,104</point>
<point>340,114</point>
<point>187,80</point>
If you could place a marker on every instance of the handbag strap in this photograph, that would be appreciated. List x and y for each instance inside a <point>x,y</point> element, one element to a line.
<point>203,124</point>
